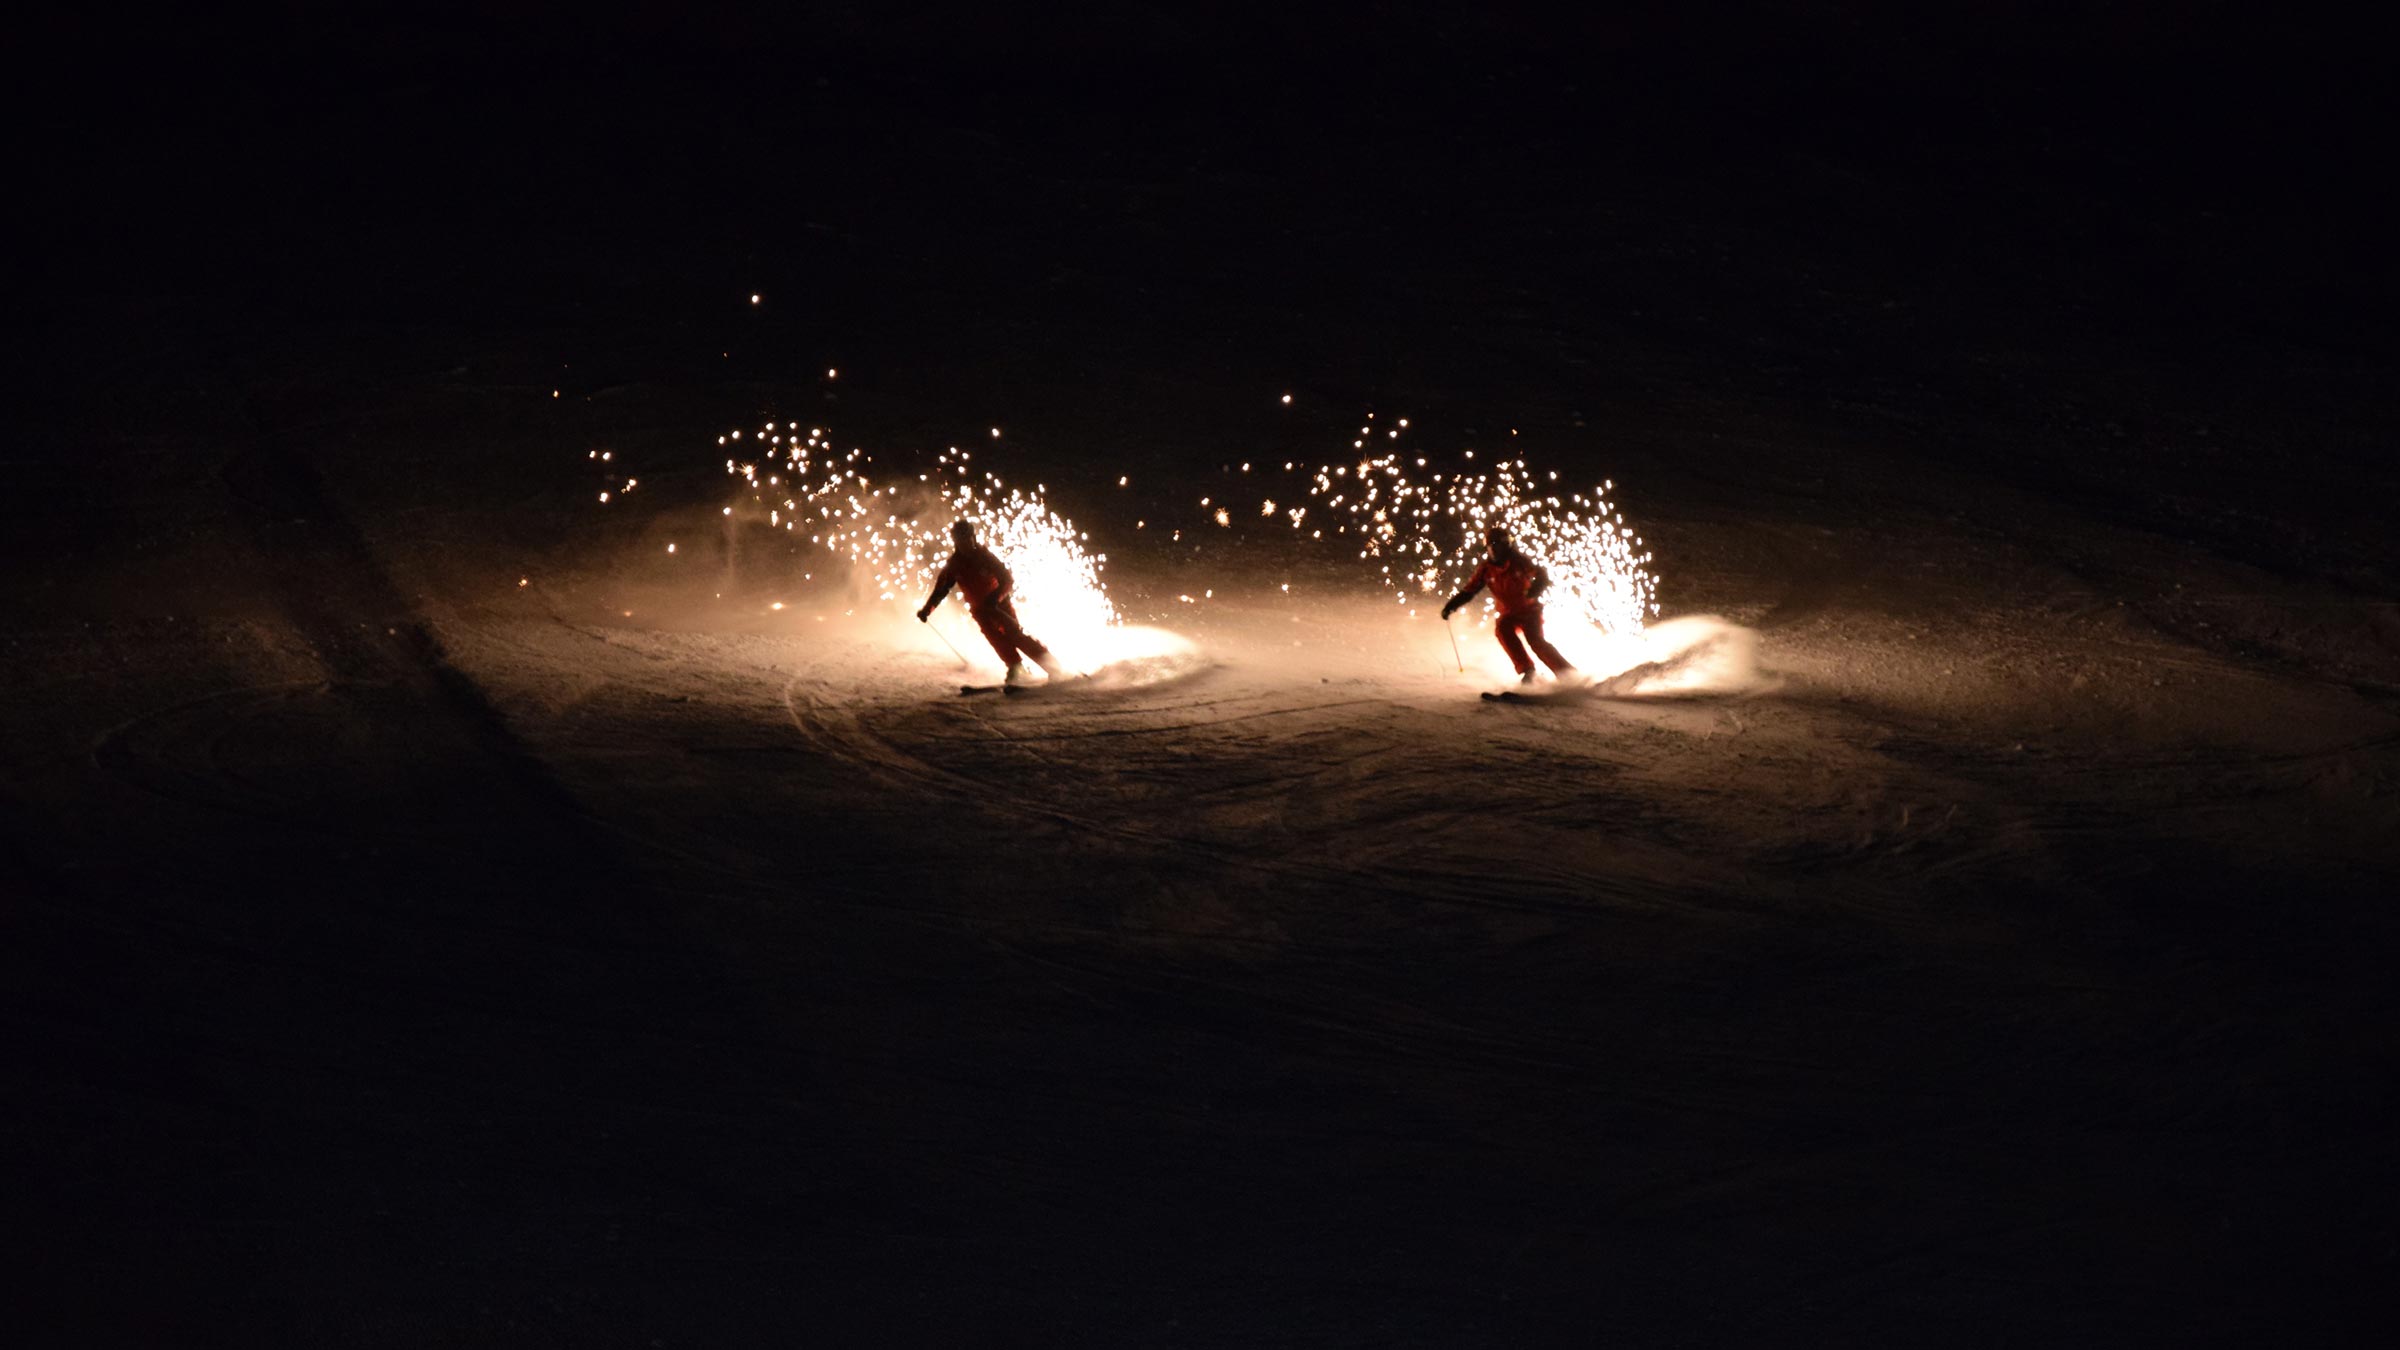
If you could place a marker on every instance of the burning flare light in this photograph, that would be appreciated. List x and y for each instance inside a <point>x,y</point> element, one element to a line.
<point>1424,528</point>
<point>893,533</point>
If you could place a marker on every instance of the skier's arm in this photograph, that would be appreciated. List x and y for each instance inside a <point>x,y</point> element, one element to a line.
<point>941,587</point>
<point>1541,582</point>
<point>1474,584</point>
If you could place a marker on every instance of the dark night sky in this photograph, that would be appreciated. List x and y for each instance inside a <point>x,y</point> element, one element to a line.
<point>2148,208</point>
<point>2129,215</point>
<point>169,142</point>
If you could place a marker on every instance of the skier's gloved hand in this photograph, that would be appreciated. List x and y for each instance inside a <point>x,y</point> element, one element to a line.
<point>1448,610</point>
<point>922,613</point>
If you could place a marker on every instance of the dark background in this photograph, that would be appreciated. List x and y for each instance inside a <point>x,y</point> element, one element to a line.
<point>2179,163</point>
<point>2134,259</point>
<point>2054,226</point>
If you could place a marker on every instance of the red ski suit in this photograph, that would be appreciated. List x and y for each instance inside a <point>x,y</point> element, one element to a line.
<point>1517,583</point>
<point>985,582</point>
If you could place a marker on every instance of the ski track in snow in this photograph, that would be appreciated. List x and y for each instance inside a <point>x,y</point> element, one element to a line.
<point>1248,770</point>
<point>1310,906</point>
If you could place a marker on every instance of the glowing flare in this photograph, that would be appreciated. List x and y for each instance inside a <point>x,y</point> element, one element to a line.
<point>894,535</point>
<point>1425,532</point>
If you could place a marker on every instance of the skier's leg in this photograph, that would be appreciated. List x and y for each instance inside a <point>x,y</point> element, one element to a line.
<point>996,632</point>
<point>1542,648</point>
<point>1020,640</point>
<point>1506,631</point>
<point>1040,654</point>
<point>1027,643</point>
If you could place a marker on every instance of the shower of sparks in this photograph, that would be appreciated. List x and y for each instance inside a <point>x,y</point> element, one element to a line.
<point>894,533</point>
<point>1423,528</point>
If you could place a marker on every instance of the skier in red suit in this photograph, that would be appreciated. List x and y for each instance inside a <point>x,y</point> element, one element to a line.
<point>983,580</point>
<point>1517,583</point>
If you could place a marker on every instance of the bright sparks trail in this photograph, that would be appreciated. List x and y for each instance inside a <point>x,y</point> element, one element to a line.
<point>893,535</point>
<point>1423,530</point>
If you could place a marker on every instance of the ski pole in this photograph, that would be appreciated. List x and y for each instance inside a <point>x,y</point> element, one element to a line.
<point>1462,661</point>
<point>954,651</point>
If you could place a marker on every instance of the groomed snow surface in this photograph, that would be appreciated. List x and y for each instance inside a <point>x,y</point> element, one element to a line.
<point>1983,934</point>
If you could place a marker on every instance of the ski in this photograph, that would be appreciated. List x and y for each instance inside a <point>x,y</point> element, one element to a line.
<point>1043,687</point>
<point>1557,694</point>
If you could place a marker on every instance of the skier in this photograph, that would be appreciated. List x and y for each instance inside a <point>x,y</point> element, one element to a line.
<point>1517,584</point>
<point>988,588</point>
